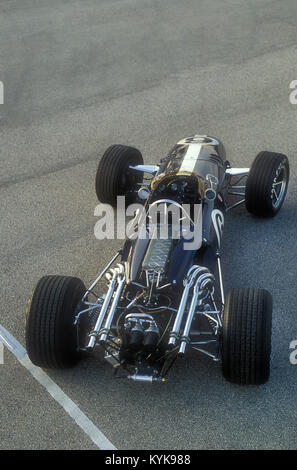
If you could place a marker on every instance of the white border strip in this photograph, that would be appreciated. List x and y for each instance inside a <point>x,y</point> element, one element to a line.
<point>56,392</point>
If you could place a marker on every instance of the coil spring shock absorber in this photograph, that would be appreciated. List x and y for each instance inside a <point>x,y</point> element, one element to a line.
<point>212,324</point>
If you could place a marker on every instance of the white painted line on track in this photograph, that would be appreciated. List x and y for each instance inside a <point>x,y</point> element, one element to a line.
<point>56,392</point>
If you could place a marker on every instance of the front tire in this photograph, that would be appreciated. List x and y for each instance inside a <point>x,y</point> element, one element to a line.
<point>267,184</point>
<point>50,335</point>
<point>115,178</point>
<point>246,338</point>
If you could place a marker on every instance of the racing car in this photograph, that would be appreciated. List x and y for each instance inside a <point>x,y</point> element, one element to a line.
<point>164,295</point>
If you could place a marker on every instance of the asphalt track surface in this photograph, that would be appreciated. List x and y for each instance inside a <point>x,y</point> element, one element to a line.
<point>80,75</point>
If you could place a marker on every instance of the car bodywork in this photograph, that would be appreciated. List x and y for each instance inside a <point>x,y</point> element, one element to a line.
<point>165,296</point>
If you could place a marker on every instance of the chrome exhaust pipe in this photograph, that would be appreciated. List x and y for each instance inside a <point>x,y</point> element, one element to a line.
<point>202,287</point>
<point>121,282</point>
<point>112,277</point>
<point>189,281</point>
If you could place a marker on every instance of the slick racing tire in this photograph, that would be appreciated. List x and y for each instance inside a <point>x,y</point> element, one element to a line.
<point>246,338</point>
<point>115,178</point>
<point>51,338</point>
<point>267,184</point>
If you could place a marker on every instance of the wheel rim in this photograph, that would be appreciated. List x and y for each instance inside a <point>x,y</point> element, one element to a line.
<point>279,186</point>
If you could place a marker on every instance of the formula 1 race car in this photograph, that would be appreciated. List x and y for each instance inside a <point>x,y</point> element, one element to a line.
<point>165,296</point>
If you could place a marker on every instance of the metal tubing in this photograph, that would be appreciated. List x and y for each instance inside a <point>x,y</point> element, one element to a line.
<point>236,193</point>
<point>179,315</point>
<point>201,333</point>
<point>189,319</point>
<point>215,358</point>
<point>77,317</point>
<point>107,325</point>
<point>206,314</point>
<point>190,279</point>
<point>235,205</point>
<point>237,171</point>
<point>145,168</point>
<point>143,316</point>
<point>145,378</point>
<point>101,274</point>
<point>200,286</point>
<point>103,310</point>
<point>221,280</point>
<point>204,342</point>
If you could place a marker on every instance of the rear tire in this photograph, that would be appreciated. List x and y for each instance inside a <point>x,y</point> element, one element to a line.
<point>50,335</point>
<point>246,339</point>
<point>114,178</point>
<point>267,184</point>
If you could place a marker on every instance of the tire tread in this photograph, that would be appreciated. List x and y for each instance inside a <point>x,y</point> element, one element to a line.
<point>247,336</point>
<point>110,169</point>
<point>51,309</point>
